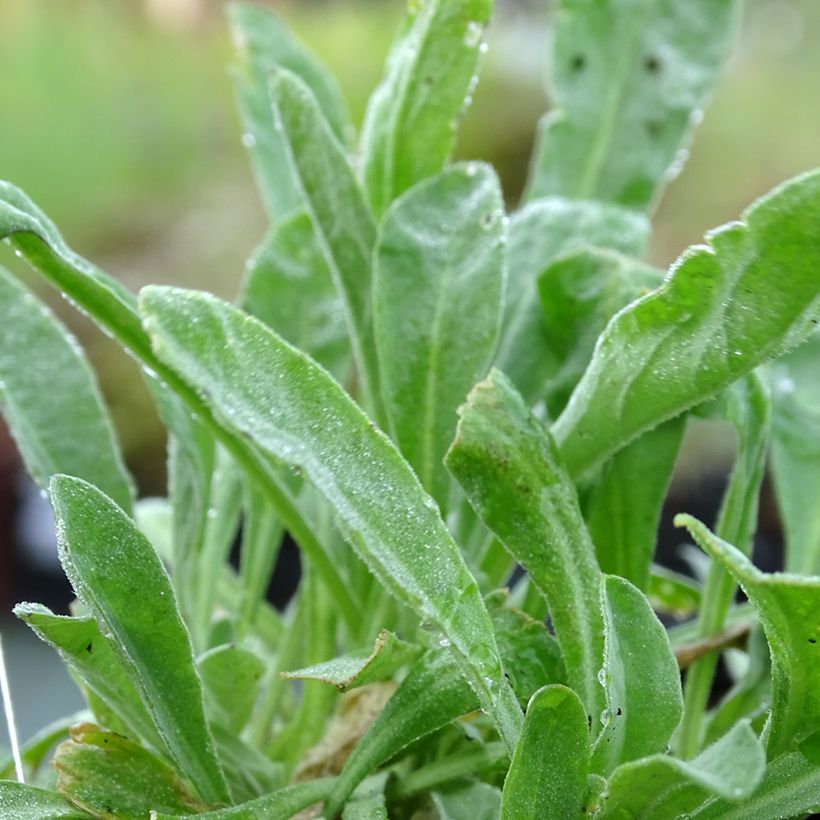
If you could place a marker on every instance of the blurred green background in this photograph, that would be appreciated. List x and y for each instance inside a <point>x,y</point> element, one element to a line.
<point>118,119</point>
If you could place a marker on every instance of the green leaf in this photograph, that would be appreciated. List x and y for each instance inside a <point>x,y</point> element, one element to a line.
<point>630,79</point>
<point>288,286</point>
<point>472,800</point>
<point>70,432</point>
<point>368,803</point>
<point>343,225</point>
<point>748,296</point>
<point>508,467</point>
<point>248,771</point>
<point>282,804</point>
<point>263,44</point>
<point>433,694</point>
<point>640,676</point>
<point>34,751</point>
<point>411,121</point>
<point>23,802</point>
<point>539,232</point>
<point>664,788</point>
<point>358,669</point>
<point>438,288</point>
<point>789,610</point>
<point>116,572</point>
<point>547,779</point>
<point>231,675</point>
<point>790,788</point>
<point>796,454</point>
<point>263,388</point>
<point>92,660</point>
<point>110,776</point>
<point>673,593</point>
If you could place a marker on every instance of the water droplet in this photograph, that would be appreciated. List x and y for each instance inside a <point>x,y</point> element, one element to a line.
<point>472,37</point>
<point>738,353</point>
<point>248,140</point>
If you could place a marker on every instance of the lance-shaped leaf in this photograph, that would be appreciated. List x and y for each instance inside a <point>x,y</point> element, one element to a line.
<point>641,679</point>
<point>630,78</point>
<point>29,803</point>
<point>664,788</point>
<point>472,800</point>
<point>89,656</point>
<point>438,290</point>
<point>790,788</point>
<point>789,610</point>
<point>507,464</point>
<point>796,454</point>
<point>282,804</point>
<point>264,389</point>
<point>343,225</point>
<point>263,43</point>
<point>231,675</point>
<point>433,694</point>
<point>358,669</point>
<point>725,308</point>
<point>109,775</point>
<point>116,572</point>
<point>410,125</point>
<point>288,286</point>
<point>548,773</point>
<point>70,432</point>
<point>368,803</point>
<point>539,232</point>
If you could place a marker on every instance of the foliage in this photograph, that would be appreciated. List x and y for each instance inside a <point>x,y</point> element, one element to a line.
<point>355,401</point>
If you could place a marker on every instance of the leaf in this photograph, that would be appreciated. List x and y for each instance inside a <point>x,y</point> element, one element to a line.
<point>262,44</point>
<point>539,232</point>
<point>91,658</point>
<point>358,669</point>
<point>71,431</point>
<point>23,802</point>
<point>790,788</point>
<point>673,593</point>
<point>796,454</point>
<point>748,296</point>
<point>110,776</point>
<point>411,120</point>
<point>507,465</point>
<point>342,222</point>
<point>789,610</point>
<point>472,800</point>
<point>664,788</point>
<point>438,290</point>
<point>644,703</point>
<point>433,694</point>
<point>629,81</point>
<point>288,286</point>
<point>282,804</point>
<point>231,676</point>
<point>263,388</point>
<point>248,771</point>
<point>548,774</point>
<point>116,572</point>
<point>368,803</point>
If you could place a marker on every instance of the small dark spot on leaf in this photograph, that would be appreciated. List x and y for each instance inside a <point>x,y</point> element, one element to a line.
<point>589,721</point>
<point>579,62</point>
<point>653,128</point>
<point>812,640</point>
<point>88,647</point>
<point>619,711</point>
<point>653,64</point>
<point>429,80</point>
<point>105,740</point>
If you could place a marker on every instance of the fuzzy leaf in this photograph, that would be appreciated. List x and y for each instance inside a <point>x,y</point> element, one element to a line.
<point>262,44</point>
<point>263,388</point>
<point>438,291</point>
<point>472,800</point>
<point>231,675</point>
<point>789,610</point>
<point>23,802</point>
<point>644,702</point>
<point>539,232</point>
<point>410,125</point>
<point>506,463</point>
<point>630,79</point>
<point>71,431</point>
<point>548,773</point>
<point>748,296</point>
<point>116,572</point>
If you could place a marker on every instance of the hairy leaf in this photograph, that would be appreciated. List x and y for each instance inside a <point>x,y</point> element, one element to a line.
<point>231,675</point>
<point>548,773</point>
<point>725,308</point>
<point>411,121</point>
<point>472,800</point>
<point>23,802</point>
<point>630,78</point>
<point>438,291</point>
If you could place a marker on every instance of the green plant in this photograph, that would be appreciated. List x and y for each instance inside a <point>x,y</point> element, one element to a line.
<point>391,280</point>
